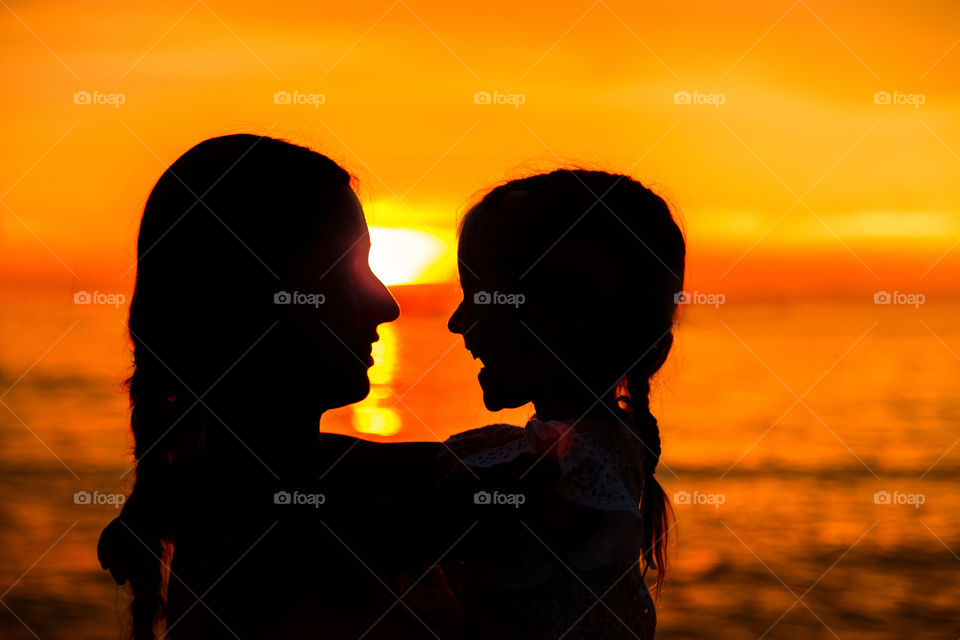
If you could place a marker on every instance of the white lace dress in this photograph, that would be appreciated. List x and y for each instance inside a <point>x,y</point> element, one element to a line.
<point>592,586</point>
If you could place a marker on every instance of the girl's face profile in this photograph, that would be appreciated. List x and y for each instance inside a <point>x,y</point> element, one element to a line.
<point>543,321</point>
<point>494,318</point>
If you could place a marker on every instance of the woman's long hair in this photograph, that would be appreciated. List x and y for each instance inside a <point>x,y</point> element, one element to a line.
<point>222,230</point>
<point>594,216</point>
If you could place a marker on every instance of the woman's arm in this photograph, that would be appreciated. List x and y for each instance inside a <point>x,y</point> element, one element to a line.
<point>445,511</point>
<point>375,470</point>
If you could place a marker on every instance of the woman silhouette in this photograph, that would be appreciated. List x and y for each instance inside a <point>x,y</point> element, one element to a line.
<point>254,311</point>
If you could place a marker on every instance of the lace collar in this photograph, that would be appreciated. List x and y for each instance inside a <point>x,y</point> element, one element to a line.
<point>592,473</point>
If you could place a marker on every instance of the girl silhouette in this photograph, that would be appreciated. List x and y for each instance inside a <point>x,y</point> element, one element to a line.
<point>569,297</point>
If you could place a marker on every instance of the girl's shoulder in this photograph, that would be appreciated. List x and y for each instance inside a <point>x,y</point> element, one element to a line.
<point>491,433</point>
<point>601,467</point>
<point>607,437</point>
<point>599,464</point>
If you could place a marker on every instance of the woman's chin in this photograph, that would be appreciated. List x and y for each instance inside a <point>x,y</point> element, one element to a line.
<point>347,391</point>
<point>360,389</point>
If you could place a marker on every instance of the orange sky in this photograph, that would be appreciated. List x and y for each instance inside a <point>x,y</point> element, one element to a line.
<point>798,182</point>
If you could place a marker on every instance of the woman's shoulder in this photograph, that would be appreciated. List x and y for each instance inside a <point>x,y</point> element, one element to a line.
<point>490,438</point>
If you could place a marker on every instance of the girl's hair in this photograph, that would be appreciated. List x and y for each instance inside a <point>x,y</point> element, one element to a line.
<point>221,231</point>
<point>588,218</point>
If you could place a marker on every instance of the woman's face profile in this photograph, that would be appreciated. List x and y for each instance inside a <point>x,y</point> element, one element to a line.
<point>335,308</point>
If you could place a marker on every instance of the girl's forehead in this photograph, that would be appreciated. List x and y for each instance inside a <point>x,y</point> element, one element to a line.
<point>497,222</point>
<point>483,245</point>
<point>494,235</point>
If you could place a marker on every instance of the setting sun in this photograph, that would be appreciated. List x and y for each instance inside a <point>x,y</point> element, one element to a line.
<point>406,256</point>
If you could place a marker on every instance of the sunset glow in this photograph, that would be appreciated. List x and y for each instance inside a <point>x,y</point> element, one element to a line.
<point>806,414</point>
<point>691,100</point>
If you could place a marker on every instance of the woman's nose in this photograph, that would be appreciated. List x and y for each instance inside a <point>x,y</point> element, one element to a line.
<point>455,323</point>
<point>383,305</point>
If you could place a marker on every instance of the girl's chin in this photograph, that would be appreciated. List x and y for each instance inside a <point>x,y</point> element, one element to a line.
<point>489,383</point>
<point>498,395</point>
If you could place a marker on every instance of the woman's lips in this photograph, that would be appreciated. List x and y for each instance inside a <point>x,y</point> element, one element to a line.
<point>364,352</point>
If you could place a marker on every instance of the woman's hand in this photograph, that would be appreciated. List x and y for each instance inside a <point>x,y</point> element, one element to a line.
<point>122,551</point>
<point>113,549</point>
